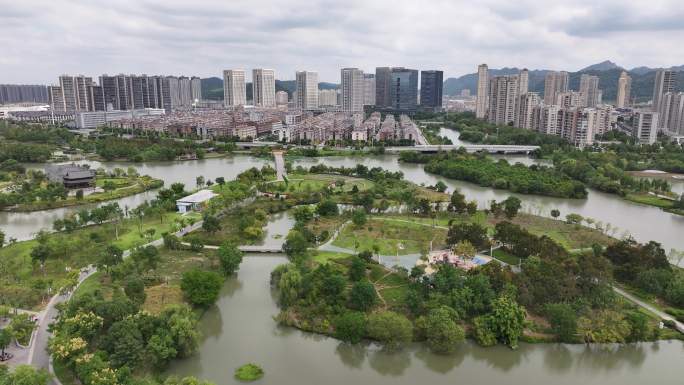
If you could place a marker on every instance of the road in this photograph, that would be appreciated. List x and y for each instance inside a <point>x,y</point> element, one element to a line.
<point>678,325</point>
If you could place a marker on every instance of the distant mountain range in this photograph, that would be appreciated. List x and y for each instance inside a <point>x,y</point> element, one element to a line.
<point>212,88</point>
<point>607,71</point>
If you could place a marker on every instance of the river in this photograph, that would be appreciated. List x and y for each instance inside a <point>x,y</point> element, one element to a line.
<point>240,329</point>
<point>644,223</point>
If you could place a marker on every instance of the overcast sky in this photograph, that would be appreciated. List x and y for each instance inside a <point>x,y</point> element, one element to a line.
<point>40,39</point>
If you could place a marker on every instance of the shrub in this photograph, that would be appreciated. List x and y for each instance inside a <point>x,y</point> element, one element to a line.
<point>201,288</point>
<point>391,329</point>
<point>249,372</point>
<point>350,326</point>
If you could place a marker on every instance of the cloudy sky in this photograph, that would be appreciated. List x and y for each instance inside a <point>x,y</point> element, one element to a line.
<point>40,39</point>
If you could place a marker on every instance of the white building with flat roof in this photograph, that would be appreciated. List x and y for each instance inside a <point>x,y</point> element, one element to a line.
<point>194,202</point>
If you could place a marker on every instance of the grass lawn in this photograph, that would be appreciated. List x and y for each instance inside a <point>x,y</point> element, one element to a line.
<point>96,282</point>
<point>328,256</point>
<point>503,256</point>
<point>650,200</point>
<point>325,224</point>
<point>298,183</point>
<point>391,237</point>
<point>569,236</point>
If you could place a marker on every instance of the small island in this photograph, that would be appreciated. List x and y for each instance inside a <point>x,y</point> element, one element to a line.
<point>249,372</point>
<point>63,185</point>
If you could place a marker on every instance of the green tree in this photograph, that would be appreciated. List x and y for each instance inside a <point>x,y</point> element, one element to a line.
<point>555,213</point>
<point>230,257</point>
<point>506,320</point>
<point>327,208</point>
<point>362,296</point>
<point>135,289</point>
<point>441,330</point>
<point>210,223</point>
<point>511,206</point>
<point>350,326</point>
<point>110,257</point>
<point>125,344</point>
<point>393,330</point>
<point>458,202</point>
<point>201,288</point>
<point>295,243</point>
<point>359,217</point>
<point>440,186</point>
<point>483,331</point>
<point>5,339</point>
<point>23,375</point>
<point>563,320</point>
<point>357,269</point>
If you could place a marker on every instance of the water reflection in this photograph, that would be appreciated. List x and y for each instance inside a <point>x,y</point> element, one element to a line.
<point>389,363</point>
<point>440,363</point>
<point>352,356</point>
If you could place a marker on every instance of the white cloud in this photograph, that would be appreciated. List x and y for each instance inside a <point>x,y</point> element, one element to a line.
<point>40,39</point>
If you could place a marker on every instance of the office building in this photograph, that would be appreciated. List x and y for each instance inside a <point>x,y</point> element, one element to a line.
<point>382,86</point>
<point>646,127</point>
<point>263,87</point>
<point>353,91</point>
<point>482,101</point>
<point>369,89</point>
<point>234,88</point>
<point>403,89</point>
<point>503,96</point>
<point>307,90</point>
<point>589,90</point>
<point>431,86</point>
<point>623,91</point>
<point>281,98</point>
<point>554,84</point>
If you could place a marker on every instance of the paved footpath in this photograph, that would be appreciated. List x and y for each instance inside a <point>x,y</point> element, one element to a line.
<point>678,325</point>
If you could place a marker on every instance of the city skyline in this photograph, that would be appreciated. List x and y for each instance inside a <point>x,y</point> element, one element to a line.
<point>532,35</point>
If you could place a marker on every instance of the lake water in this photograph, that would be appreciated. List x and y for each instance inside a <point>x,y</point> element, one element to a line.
<point>240,329</point>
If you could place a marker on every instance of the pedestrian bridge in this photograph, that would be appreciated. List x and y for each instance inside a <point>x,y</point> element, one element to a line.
<point>261,249</point>
<point>471,148</point>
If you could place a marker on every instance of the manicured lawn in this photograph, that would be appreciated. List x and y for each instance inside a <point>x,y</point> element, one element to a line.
<point>650,200</point>
<point>391,237</point>
<point>503,256</point>
<point>316,182</point>
<point>567,235</point>
<point>327,256</point>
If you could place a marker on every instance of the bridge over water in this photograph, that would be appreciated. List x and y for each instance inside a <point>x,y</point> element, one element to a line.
<point>471,148</point>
